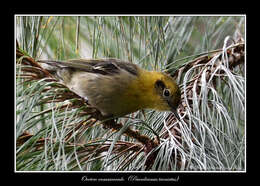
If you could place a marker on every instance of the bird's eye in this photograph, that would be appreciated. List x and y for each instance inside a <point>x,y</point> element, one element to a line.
<point>166,92</point>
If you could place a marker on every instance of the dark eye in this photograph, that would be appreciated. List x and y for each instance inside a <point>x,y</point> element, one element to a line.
<point>159,84</point>
<point>166,92</point>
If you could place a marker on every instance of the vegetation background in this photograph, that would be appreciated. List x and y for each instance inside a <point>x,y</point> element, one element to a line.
<point>51,136</point>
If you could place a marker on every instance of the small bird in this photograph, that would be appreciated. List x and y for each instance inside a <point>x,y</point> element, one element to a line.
<point>117,88</point>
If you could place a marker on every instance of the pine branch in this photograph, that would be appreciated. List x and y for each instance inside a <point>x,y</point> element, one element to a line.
<point>205,65</point>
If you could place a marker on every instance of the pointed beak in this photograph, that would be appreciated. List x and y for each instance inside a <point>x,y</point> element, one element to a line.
<point>175,113</point>
<point>174,110</point>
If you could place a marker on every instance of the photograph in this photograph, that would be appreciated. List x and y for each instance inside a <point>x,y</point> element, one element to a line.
<point>130,93</point>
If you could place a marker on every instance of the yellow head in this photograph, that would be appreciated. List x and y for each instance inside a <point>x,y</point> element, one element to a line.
<point>155,90</point>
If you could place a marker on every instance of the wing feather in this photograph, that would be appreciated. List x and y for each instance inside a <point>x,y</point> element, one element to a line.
<point>101,66</point>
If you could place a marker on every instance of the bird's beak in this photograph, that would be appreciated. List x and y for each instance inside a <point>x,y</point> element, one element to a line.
<point>174,110</point>
<point>175,113</point>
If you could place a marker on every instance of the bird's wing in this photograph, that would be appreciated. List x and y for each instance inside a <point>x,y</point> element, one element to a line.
<point>100,66</point>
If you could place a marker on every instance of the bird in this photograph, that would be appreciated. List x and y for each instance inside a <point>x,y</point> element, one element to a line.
<point>115,87</point>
